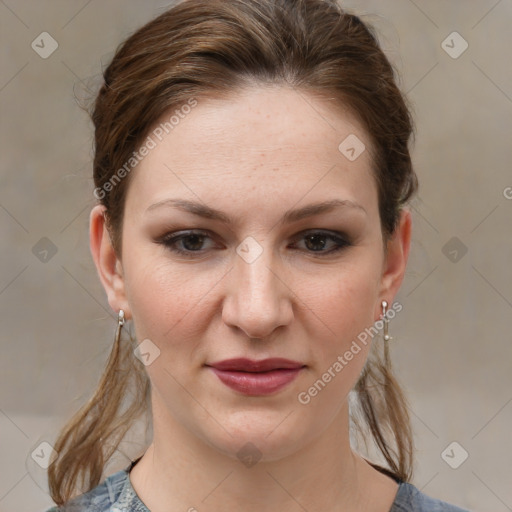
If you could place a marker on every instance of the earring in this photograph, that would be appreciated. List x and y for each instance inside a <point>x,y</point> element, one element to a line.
<point>387,337</point>
<point>120,323</point>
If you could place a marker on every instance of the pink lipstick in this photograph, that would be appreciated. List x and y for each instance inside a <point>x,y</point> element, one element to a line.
<point>256,378</point>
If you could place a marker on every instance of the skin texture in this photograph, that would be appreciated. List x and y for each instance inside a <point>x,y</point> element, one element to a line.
<point>263,152</point>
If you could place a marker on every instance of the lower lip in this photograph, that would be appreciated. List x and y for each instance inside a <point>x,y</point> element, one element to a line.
<point>257,383</point>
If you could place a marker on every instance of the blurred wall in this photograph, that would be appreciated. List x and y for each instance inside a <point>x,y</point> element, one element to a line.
<point>452,349</point>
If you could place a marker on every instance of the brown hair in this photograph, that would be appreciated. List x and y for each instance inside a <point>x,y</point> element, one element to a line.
<point>211,47</point>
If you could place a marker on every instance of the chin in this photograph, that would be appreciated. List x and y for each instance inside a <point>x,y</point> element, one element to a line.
<point>258,438</point>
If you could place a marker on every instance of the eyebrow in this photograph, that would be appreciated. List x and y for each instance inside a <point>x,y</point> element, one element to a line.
<point>207,212</point>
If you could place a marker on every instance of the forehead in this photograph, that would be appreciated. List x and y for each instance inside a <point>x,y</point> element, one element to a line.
<point>271,143</point>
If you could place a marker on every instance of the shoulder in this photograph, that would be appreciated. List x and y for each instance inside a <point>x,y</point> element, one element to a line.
<point>99,499</point>
<point>411,499</point>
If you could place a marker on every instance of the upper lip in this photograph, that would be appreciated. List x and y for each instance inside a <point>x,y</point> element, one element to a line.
<point>250,365</point>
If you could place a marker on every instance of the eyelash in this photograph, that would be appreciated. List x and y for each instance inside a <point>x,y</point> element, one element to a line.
<point>170,241</point>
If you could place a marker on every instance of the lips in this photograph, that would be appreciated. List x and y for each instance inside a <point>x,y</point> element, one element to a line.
<point>256,378</point>
<point>242,364</point>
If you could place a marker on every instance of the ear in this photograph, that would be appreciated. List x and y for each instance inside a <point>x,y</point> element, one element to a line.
<point>107,263</point>
<point>395,263</point>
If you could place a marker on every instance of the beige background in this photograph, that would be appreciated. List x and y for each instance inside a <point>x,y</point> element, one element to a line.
<point>452,347</point>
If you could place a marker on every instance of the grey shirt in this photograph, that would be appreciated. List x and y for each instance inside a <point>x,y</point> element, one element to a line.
<point>116,494</point>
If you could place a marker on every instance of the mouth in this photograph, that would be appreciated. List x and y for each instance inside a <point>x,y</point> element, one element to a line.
<point>256,378</point>
<point>243,364</point>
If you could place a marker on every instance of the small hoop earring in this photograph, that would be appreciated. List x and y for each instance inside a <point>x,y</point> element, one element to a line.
<point>386,336</point>
<point>120,323</point>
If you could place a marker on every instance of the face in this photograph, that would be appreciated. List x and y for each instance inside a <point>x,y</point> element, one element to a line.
<point>225,257</point>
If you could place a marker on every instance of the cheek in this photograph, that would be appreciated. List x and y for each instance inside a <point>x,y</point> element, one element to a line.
<point>166,298</point>
<point>343,301</point>
<point>344,304</point>
<point>342,308</point>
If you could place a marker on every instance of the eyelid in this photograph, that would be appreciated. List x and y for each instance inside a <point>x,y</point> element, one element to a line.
<point>176,236</point>
<point>341,239</point>
<point>322,231</point>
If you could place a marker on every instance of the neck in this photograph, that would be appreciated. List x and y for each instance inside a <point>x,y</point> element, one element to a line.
<point>180,471</point>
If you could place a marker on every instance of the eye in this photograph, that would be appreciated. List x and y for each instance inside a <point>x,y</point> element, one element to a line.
<point>317,241</point>
<point>186,243</point>
<point>192,243</point>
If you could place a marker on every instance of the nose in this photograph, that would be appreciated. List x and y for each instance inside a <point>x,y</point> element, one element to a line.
<point>258,299</point>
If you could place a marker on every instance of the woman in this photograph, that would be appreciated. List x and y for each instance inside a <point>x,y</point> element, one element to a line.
<point>253,173</point>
